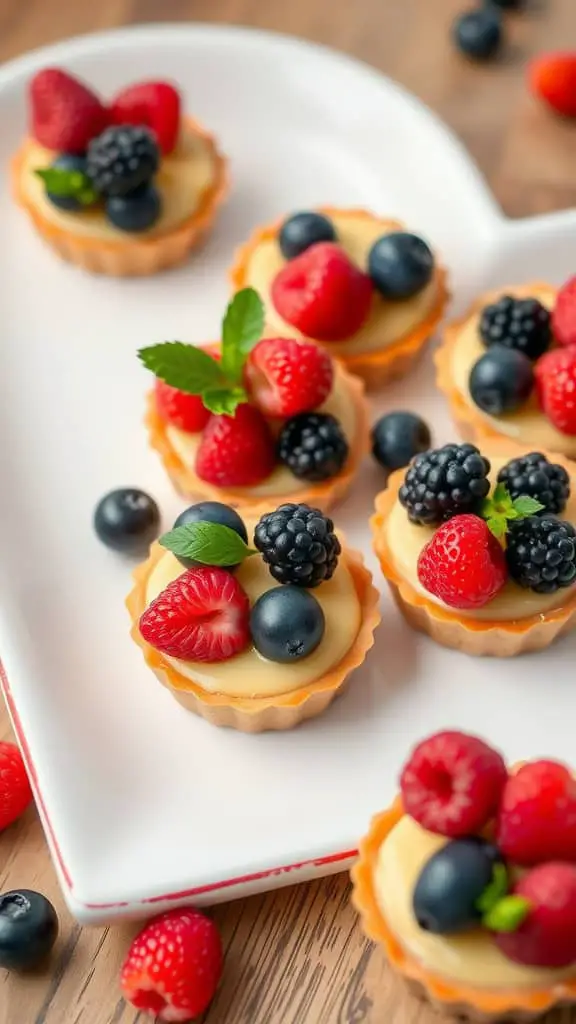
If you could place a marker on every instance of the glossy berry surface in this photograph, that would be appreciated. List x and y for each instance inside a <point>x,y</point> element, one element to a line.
<point>286,377</point>
<point>154,104</point>
<point>121,159</point>
<point>444,482</point>
<point>556,388</point>
<point>397,438</point>
<point>28,929</point>
<point>534,475</point>
<point>537,816</point>
<point>478,34</point>
<point>547,936</point>
<point>463,564</point>
<point>452,784</point>
<point>541,553</point>
<point>287,624</point>
<point>236,451</point>
<point>521,324</point>
<point>127,520</point>
<point>211,512</point>
<point>302,230</point>
<point>298,544</point>
<point>64,113</point>
<point>136,211</point>
<point>400,265</point>
<point>451,883</point>
<point>313,446</point>
<point>67,162</point>
<point>564,314</point>
<point>187,412</point>
<point>501,380</point>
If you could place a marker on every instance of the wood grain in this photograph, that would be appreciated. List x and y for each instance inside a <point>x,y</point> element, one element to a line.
<point>298,957</point>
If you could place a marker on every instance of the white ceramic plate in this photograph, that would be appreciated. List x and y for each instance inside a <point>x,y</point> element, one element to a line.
<point>142,802</point>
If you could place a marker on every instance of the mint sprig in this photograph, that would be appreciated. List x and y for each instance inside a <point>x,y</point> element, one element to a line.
<point>69,184</point>
<point>508,914</point>
<point>501,509</point>
<point>496,889</point>
<point>193,370</point>
<point>208,543</point>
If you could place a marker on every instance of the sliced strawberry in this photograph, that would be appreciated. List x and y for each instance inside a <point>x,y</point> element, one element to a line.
<point>236,451</point>
<point>286,377</point>
<point>187,412</point>
<point>154,104</point>
<point>64,114</point>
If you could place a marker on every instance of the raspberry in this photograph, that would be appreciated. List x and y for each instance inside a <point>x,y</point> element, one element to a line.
<point>463,564</point>
<point>173,966</point>
<point>183,410</point>
<point>564,314</point>
<point>556,387</point>
<point>64,113</point>
<point>552,78</point>
<point>203,615</point>
<point>537,817</point>
<point>323,294</point>
<point>236,451</point>
<point>452,784</point>
<point>286,377</point>
<point>154,104</point>
<point>15,792</point>
<point>547,936</point>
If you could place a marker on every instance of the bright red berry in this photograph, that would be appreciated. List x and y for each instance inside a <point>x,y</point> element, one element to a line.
<point>556,387</point>
<point>322,293</point>
<point>552,78</point>
<point>564,314</point>
<point>154,104</point>
<point>452,783</point>
<point>286,377</point>
<point>64,114</point>
<point>173,966</point>
<point>203,615</point>
<point>537,817</point>
<point>185,411</point>
<point>236,451</point>
<point>15,792</point>
<point>547,936</point>
<point>463,564</point>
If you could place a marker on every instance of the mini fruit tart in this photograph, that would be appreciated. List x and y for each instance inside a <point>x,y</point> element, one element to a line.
<point>362,285</point>
<point>126,189</point>
<point>468,881</point>
<point>258,637</point>
<point>479,550</point>
<point>253,421</point>
<point>508,368</point>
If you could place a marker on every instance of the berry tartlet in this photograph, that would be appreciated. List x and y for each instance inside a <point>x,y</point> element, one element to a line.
<point>254,421</point>
<point>259,637</point>
<point>479,549</point>
<point>468,881</point>
<point>124,189</point>
<point>363,286</point>
<point>508,368</point>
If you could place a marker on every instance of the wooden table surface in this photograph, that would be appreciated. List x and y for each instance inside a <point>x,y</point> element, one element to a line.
<point>298,957</point>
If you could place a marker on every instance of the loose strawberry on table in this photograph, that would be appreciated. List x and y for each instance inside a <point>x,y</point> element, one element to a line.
<point>15,792</point>
<point>552,78</point>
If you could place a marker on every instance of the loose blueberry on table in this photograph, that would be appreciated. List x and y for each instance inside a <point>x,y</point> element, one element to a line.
<point>127,520</point>
<point>398,437</point>
<point>28,929</point>
<point>478,33</point>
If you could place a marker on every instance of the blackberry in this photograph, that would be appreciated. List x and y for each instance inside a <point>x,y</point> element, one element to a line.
<point>298,544</point>
<point>121,159</point>
<point>538,478</point>
<point>444,482</point>
<point>313,446</point>
<point>521,324</point>
<point>541,553</point>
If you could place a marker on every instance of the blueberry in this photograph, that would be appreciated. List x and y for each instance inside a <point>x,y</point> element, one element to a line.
<point>400,265</point>
<point>67,162</point>
<point>397,438</point>
<point>301,231</point>
<point>127,520</point>
<point>28,929</point>
<point>508,5</point>
<point>478,34</point>
<point>451,883</point>
<point>287,624</point>
<point>134,212</point>
<point>211,512</point>
<point>501,380</point>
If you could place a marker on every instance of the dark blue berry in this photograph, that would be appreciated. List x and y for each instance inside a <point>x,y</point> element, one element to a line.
<point>501,381</point>
<point>28,929</point>
<point>400,265</point>
<point>302,230</point>
<point>127,520</point>
<point>451,883</point>
<point>137,211</point>
<point>507,5</point>
<point>122,158</point>
<point>287,624</point>
<point>313,446</point>
<point>478,34</point>
<point>68,162</point>
<point>211,512</point>
<point>397,437</point>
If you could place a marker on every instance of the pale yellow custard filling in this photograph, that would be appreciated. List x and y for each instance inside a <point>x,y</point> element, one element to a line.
<point>472,957</point>
<point>387,322</point>
<point>249,674</point>
<point>528,424</point>
<point>406,540</point>
<point>281,481</point>
<point>182,180</point>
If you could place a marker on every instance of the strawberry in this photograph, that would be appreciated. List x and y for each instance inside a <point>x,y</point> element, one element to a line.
<point>183,410</point>
<point>463,564</point>
<point>537,818</point>
<point>546,897</point>
<point>564,314</point>
<point>552,78</point>
<point>322,293</point>
<point>555,376</point>
<point>203,615</point>
<point>64,114</point>
<point>15,792</point>
<point>154,104</point>
<point>236,451</point>
<point>173,966</point>
<point>286,377</point>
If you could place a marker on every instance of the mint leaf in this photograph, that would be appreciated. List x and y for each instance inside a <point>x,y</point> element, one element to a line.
<point>499,509</point>
<point>241,329</point>
<point>208,543</point>
<point>507,915</point>
<point>495,890</point>
<point>183,366</point>
<point>497,525</point>
<point>501,496</point>
<point>526,506</point>
<point>70,184</point>
<point>224,401</point>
